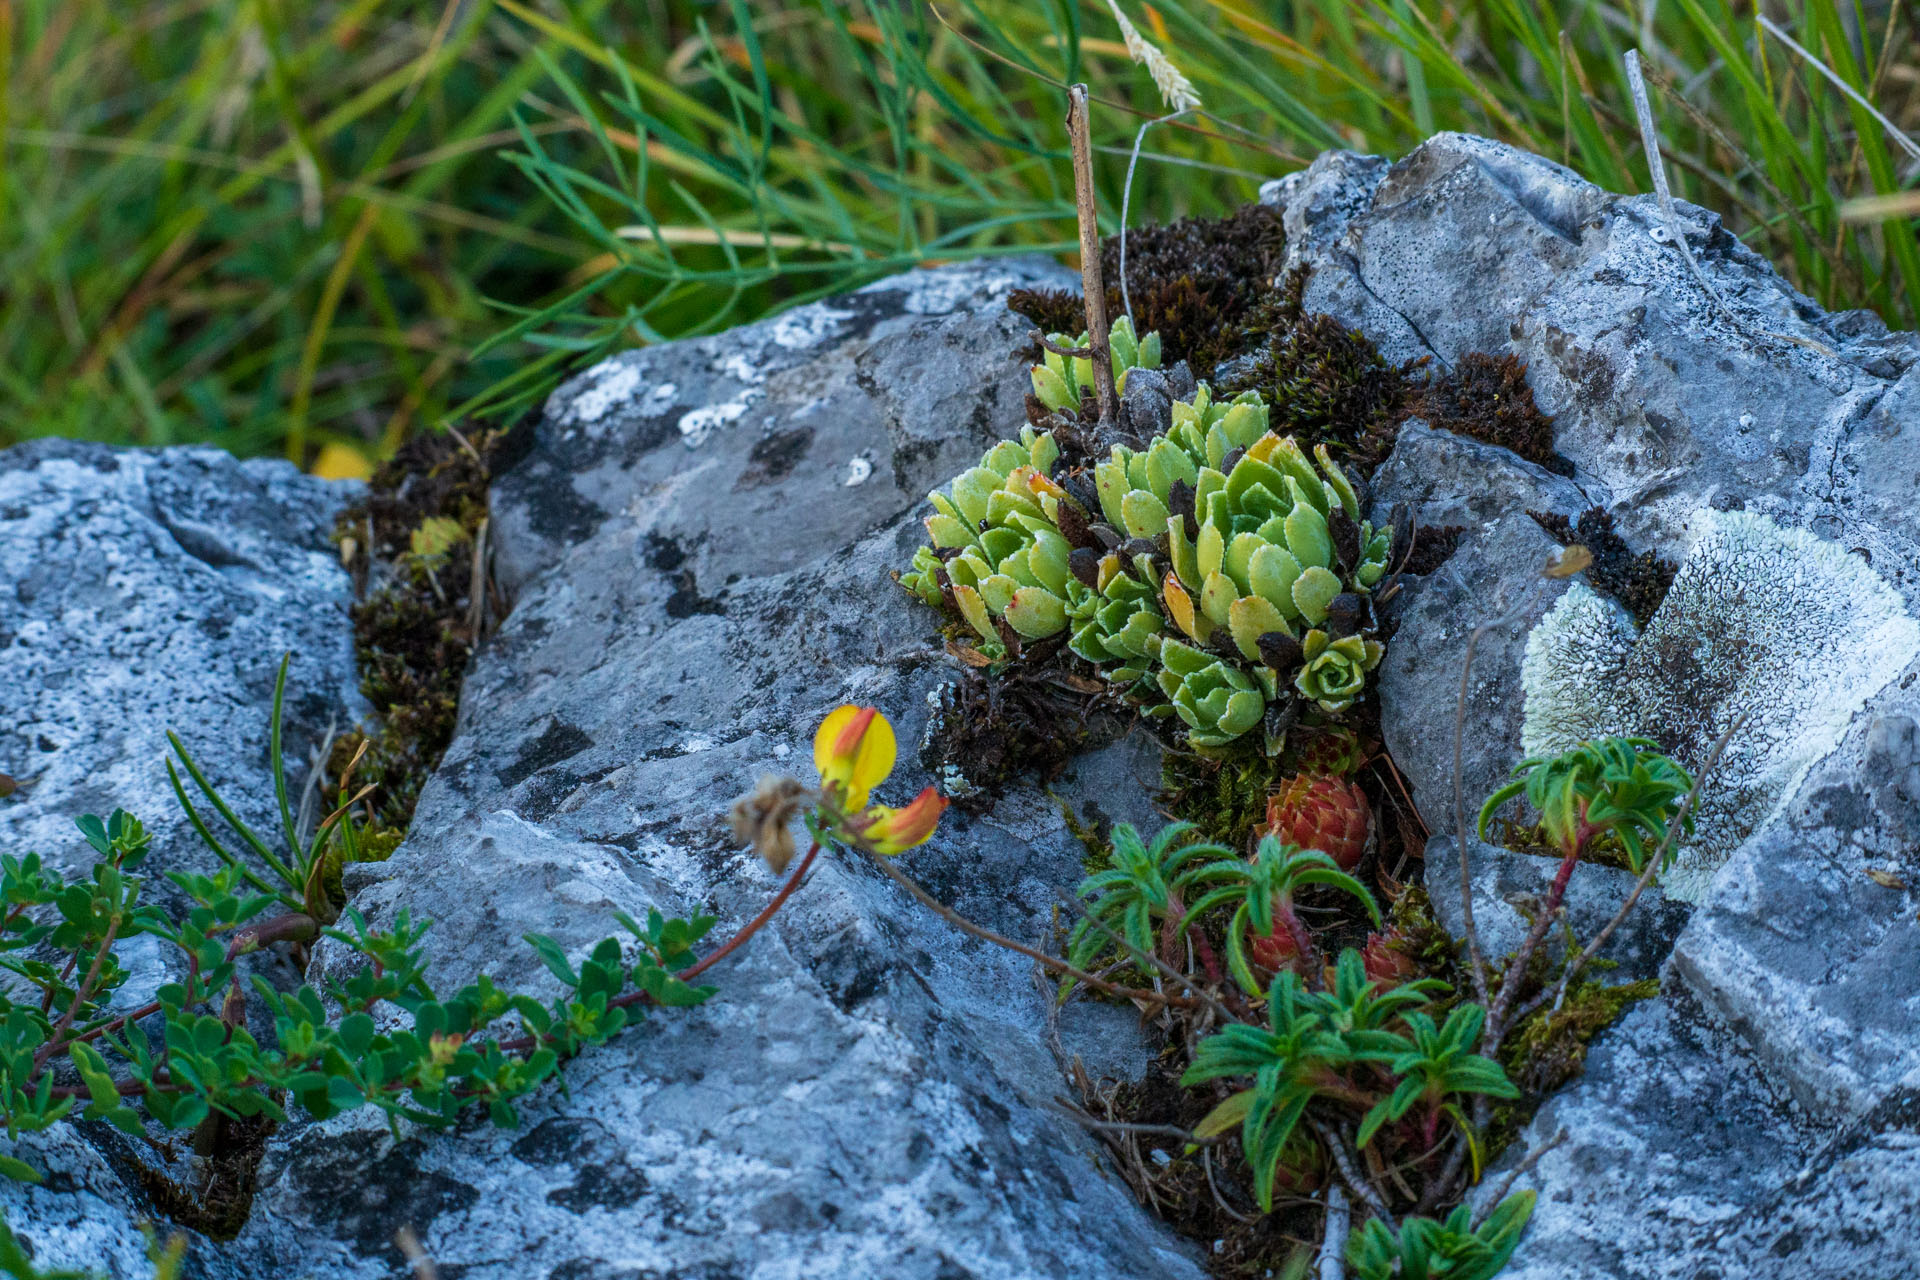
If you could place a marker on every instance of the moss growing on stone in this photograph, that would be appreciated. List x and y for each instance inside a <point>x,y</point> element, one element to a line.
<point>411,546</point>
<point>1549,1048</point>
<point>1227,798</point>
<point>1028,720</point>
<point>1638,582</point>
<point>1487,397</point>
<point>1203,284</point>
<point>1328,384</point>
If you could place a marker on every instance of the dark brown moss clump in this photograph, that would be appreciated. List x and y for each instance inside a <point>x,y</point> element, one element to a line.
<point>1638,582</point>
<point>1028,720</point>
<point>1202,284</point>
<point>414,542</point>
<point>1487,397</point>
<point>1051,310</point>
<point>1432,547</point>
<point>1328,384</point>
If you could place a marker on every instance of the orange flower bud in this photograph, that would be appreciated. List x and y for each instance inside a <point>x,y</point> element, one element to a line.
<point>897,830</point>
<point>854,750</point>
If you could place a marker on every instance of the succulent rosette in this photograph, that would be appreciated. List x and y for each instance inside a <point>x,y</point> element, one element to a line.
<point>997,547</point>
<point>1061,383</point>
<point>1320,811</point>
<point>1215,698</point>
<point>1220,559</point>
<point>1333,672</point>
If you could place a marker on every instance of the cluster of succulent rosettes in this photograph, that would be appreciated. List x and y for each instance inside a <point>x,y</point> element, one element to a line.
<point>1268,567</point>
<point>1016,556</point>
<point>1257,556</point>
<point>1061,383</point>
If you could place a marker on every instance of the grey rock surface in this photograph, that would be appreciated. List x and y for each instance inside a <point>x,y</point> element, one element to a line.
<point>149,590</point>
<point>700,540</point>
<point>157,590</point>
<point>1494,576</point>
<point>1755,1120</point>
<point>1508,886</point>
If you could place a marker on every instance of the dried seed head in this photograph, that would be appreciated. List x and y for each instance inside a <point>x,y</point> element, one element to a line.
<point>1568,561</point>
<point>763,818</point>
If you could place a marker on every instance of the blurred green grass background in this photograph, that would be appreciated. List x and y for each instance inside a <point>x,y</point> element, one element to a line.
<point>311,227</point>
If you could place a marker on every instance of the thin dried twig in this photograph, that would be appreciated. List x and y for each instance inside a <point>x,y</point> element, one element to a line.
<point>418,1259</point>
<point>1126,203</point>
<point>477,582</point>
<point>1650,142</point>
<point>1059,349</point>
<point>1173,1131</point>
<point>1442,1184</point>
<point>1092,286</point>
<point>1201,994</point>
<point>1357,1182</point>
<point>1519,1171</point>
<point>1206,1162</point>
<point>1331,1264</point>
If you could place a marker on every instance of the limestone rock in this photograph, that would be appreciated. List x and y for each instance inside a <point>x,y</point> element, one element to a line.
<point>151,590</point>
<point>1701,1138</point>
<point>1493,575</point>
<point>701,536</point>
<point>1503,883</point>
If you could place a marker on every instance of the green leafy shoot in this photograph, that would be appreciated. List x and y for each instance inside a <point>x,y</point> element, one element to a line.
<point>1426,1249</point>
<point>1312,1048</point>
<point>1137,895</point>
<point>1261,891</point>
<point>1618,785</point>
<point>1439,1065</point>
<point>292,873</point>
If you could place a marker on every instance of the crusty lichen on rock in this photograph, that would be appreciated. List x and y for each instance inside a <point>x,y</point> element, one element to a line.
<point>1771,629</point>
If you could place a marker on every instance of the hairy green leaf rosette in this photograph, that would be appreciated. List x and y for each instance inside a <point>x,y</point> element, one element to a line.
<point>995,540</point>
<point>1216,699</point>
<point>1116,618</point>
<point>1262,541</point>
<point>1060,383</point>
<point>1333,672</point>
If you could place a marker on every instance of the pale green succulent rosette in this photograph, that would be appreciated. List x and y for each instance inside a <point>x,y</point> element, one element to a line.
<point>1333,672</point>
<point>1117,619</point>
<point>1007,560</point>
<point>1216,699</point>
<point>1060,383</point>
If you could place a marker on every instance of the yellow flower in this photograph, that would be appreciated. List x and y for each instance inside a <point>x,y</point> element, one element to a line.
<point>854,750</point>
<point>896,830</point>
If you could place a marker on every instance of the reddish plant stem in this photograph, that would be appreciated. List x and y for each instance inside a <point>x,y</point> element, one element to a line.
<point>520,1044</point>
<point>1302,939</point>
<point>1209,960</point>
<point>753,926</point>
<point>1041,958</point>
<point>80,993</point>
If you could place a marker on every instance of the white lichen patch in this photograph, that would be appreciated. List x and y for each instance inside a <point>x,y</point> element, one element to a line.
<point>1772,626</point>
<point>859,470</point>
<point>617,381</point>
<point>808,326</point>
<point>697,424</point>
